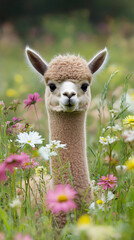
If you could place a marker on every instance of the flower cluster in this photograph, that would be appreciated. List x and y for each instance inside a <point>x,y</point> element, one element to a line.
<point>16,161</point>
<point>13,126</point>
<point>107,140</point>
<point>50,150</point>
<point>100,203</point>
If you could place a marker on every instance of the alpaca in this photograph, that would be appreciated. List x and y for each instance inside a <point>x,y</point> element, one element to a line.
<point>67,99</point>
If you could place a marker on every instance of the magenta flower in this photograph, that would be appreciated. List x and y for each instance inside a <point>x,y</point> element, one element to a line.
<point>3,172</point>
<point>19,236</point>
<point>16,119</point>
<point>108,182</point>
<point>61,199</point>
<point>13,126</point>
<point>29,163</point>
<point>32,99</point>
<point>15,160</point>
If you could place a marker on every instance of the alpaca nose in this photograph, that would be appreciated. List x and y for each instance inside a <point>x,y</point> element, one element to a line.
<point>69,94</point>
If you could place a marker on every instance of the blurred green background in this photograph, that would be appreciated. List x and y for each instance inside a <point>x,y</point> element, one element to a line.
<point>56,26</point>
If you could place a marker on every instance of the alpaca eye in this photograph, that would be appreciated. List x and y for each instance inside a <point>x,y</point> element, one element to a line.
<point>52,87</point>
<point>84,87</point>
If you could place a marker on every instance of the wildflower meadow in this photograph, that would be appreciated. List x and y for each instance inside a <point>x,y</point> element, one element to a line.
<point>25,155</point>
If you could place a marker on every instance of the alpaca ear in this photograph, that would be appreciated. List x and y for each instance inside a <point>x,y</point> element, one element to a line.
<point>97,61</point>
<point>37,62</point>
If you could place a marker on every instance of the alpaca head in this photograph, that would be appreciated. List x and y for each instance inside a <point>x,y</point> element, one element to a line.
<point>67,79</point>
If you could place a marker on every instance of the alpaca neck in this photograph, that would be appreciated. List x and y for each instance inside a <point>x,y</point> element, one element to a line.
<point>70,129</point>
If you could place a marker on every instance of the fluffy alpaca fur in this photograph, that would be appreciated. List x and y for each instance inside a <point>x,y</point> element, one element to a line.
<point>67,107</point>
<point>68,67</point>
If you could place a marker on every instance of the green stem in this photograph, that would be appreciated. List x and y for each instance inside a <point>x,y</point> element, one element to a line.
<point>13,184</point>
<point>110,158</point>
<point>36,115</point>
<point>59,160</point>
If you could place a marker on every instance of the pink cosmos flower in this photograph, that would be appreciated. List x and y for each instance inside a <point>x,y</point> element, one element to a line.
<point>15,160</point>
<point>2,172</point>
<point>32,99</point>
<point>108,182</point>
<point>61,199</point>
<point>19,236</point>
<point>29,163</point>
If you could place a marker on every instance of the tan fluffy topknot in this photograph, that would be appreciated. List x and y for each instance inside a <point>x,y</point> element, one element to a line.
<point>68,67</point>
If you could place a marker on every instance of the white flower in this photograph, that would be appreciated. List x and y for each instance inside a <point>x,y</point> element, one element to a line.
<point>108,197</point>
<point>92,182</point>
<point>30,138</point>
<point>16,203</point>
<point>100,203</point>
<point>115,128</point>
<point>113,111</point>
<point>55,145</point>
<point>46,152</point>
<point>128,135</point>
<point>121,168</point>
<point>107,140</point>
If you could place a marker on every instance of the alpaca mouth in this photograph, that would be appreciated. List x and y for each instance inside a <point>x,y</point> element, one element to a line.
<point>70,104</point>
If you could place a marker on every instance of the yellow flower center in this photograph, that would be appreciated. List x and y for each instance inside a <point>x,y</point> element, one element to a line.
<point>27,163</point>
<point>84,220</point>
<point>99,201</point>
<point>29,141</point>
<point>103,139</point>
<point>107,178</point>
<point>62,198</point>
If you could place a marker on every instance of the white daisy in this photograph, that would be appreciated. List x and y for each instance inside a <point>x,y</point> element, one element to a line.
<point>107,140</point>
<point>53,145</point>
<point>46,152</point>
<point>100,203</point>
<point>30,138</point>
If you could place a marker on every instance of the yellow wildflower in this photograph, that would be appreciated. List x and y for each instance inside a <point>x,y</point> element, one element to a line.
<point>18,78</point>
<point>11,92</point>
<point>129,121</point>
<point>99,201</point>
<point>130,163</point>
<point>84,220</point>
